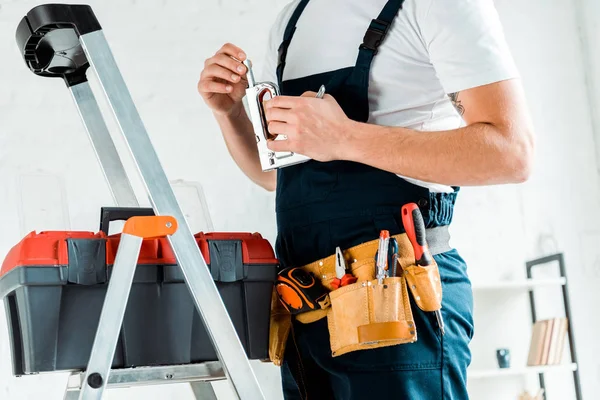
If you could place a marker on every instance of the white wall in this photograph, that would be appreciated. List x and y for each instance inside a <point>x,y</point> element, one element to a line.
<point>557,210</point>
<point>161,54</point>
<point>588,13</point>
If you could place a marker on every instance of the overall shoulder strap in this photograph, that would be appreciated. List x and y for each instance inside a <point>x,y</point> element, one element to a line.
<point>287,38</point>
<point>378,29</point>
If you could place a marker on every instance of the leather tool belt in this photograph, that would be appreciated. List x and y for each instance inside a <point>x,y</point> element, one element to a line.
<point>366,314</point>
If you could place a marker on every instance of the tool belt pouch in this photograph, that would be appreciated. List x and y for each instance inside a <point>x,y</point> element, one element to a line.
<point>425,286</point>
<point>279,330</point>
<point>367,315</point>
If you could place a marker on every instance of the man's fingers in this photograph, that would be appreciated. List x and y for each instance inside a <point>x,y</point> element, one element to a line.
<point>218,71</point>
<point>283,102</point>
<point>233,51</point>
<point>281,128</point>
<point>280,114</point>
<point>309,94</point>
<point>227,62</point>
<point>210,86</point>
<point>279,145</point>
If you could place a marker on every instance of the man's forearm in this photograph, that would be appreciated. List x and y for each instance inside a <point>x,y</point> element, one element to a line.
<point>479,154</point>
<point>241,143</point>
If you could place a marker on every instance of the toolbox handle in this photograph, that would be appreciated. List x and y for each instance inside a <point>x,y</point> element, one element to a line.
<point>110,214</point>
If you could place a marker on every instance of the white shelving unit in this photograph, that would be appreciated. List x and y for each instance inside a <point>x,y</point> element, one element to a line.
<point>523,284</point>
<point>530,284</point>
<point>501,372</point>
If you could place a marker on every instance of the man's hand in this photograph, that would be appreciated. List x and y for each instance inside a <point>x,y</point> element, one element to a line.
<point>223,85</point>
<point>316,128</point>
<point>223,81</point>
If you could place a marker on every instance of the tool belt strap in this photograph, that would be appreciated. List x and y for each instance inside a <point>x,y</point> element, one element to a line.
<point>438,241</point>
<point>359,260</point>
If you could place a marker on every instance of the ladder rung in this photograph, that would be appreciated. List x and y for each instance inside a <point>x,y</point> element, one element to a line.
<point>127,377</point>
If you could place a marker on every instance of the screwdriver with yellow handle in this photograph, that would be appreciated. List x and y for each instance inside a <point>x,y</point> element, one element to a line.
<point>412,219</point>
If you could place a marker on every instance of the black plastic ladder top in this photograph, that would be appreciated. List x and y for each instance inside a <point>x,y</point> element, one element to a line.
<point>48,39</point>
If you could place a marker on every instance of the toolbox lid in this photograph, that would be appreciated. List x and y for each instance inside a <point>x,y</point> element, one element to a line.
<point>55,248</point>
<point>255,249</point>
<point>44,249</point>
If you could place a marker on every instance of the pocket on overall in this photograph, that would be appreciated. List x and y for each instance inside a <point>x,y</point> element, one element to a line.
<point>369,315</point>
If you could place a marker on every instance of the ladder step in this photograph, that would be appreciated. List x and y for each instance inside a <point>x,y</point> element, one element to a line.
<point>141,376</point>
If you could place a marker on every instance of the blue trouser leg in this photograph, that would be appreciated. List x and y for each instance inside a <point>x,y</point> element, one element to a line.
<point>458,314</point>
<point>432,368</point>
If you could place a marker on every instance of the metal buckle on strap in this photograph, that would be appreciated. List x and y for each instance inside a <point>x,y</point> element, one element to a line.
<point>374,35</point>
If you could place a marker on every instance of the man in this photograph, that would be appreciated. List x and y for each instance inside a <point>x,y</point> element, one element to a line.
<point>426,101</point>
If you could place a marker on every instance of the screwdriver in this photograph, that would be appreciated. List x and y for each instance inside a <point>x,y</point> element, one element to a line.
<point>415,229</point>
<point>321,92</point>
<point>392,267</point>
<point>382,255</point>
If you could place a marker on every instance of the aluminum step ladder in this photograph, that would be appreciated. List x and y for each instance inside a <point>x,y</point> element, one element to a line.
<point>63,40</point>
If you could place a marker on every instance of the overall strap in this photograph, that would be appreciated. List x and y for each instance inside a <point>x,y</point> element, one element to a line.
<point>287,38</point>
<point>378,29</point>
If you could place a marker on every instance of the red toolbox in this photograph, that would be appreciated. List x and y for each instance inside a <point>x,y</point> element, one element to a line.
<point>54,283</point>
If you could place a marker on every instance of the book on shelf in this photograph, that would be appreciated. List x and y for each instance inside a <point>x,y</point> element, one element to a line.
<point>547,337</point>
<point>562,334</point>
<point>547,342</point>
<point>537,342</point>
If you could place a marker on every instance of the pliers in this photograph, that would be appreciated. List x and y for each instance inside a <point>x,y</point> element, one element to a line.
<point>342,278</point>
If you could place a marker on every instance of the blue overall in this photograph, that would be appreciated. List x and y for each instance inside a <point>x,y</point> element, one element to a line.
<point>340,203</point>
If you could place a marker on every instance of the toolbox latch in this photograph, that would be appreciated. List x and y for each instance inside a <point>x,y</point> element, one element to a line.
<point>87,261</point>
<point>226,264</point>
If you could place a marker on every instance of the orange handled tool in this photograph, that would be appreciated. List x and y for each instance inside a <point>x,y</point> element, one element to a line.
<point>415,229</point>
<point>342,278</point>
<point>381,257</point>
<point>299,291</point>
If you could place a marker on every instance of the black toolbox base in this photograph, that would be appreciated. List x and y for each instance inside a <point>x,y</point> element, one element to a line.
<point>52,328</point>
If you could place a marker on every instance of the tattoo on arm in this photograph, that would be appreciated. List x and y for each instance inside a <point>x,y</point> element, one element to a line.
<point>457,104</point>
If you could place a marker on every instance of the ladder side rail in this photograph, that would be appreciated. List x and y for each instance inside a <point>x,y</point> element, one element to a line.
<point>208,301</point>
<point>104,147</point>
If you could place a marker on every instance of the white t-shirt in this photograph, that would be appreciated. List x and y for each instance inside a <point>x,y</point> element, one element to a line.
<point>432,49</point>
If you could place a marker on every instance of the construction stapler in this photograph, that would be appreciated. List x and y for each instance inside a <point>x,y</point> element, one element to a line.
<point>256,94</point>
